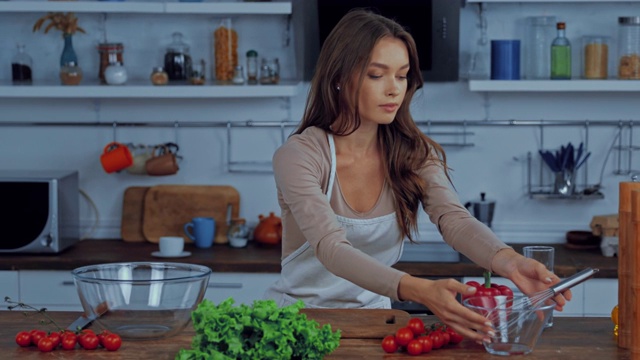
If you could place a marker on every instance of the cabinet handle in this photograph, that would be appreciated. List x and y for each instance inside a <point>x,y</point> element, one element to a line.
<point>225,285</point>
<point>68,283</point>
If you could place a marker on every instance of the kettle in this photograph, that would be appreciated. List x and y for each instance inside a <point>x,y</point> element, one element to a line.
<point>269,230</point>
<point>482,210</point>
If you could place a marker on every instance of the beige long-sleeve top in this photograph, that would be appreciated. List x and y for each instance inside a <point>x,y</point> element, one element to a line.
<point>301,169</point>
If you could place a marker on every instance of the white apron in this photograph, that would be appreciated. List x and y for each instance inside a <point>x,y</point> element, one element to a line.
<point>303,277</point>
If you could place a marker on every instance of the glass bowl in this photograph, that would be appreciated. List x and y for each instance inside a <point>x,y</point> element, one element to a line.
<point>141,300</point>
<point>517,325</point>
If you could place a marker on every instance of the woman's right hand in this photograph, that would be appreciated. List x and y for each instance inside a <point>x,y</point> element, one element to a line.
<point>440,297</point>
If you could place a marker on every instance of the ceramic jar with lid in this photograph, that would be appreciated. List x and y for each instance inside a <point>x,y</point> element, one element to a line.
<point>629,47</point>
<point>110,53</point>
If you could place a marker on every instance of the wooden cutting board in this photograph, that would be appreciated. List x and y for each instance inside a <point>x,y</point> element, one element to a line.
<point>168,207</point>
<point>361,323</point>
<point>132,214</point>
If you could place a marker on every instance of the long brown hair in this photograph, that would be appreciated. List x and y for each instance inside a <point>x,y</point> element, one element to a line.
<point>347,51</point>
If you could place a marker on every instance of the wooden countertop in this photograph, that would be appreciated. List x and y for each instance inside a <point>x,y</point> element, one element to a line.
<point>255,258</point>
<point>569,339</point>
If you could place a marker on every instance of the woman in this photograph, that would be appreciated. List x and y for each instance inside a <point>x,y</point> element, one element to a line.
<point>352,178</point>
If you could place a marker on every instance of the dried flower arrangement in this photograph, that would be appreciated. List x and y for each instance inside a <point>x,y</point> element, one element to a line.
<point>65,22</point>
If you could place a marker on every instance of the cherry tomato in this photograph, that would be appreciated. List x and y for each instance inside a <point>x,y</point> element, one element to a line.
<point>89,341</point>
<point>436,340</point>
<point>427,344</point>
<point>112,342</point>
<point>416,325</point>
<point>45,344</point>
<point>404,336</point>
<point>23,338</point>
<point>56,337</point>
<point>454,337</point>
<point>36,335</point>
<point>102,335</point>
<point>446,337</point>
<point>69,341</point>
<point>414,347</point>
<point>389,344</point>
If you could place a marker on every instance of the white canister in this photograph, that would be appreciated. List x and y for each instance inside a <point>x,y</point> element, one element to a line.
<point>115,74</point>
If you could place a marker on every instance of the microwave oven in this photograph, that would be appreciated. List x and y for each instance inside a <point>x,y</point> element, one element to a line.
<point>434,25</point>
<point>39,211</point>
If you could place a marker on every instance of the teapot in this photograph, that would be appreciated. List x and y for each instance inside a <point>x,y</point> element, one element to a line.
<point>269,230</point>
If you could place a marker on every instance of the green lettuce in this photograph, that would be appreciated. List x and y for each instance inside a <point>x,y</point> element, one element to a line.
<point>260,331</point>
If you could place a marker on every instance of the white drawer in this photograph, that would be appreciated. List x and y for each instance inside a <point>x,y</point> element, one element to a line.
<point>244,288</point>
<point>600,296</point>
<point>9,286</point>
<point>54,290</point>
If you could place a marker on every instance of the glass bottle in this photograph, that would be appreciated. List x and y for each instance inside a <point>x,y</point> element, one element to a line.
<point>629,47</point>
<point>177,61</point>
<point>21,67</point>
<point>252,67</point>
<point>561,55</point>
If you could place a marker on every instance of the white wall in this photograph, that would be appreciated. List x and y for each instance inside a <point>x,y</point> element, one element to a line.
<point>495,165</point>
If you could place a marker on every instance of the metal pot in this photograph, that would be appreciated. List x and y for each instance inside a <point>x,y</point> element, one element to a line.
<point>482,209</point>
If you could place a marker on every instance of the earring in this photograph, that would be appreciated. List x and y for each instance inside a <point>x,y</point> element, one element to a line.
<point>338,87</point>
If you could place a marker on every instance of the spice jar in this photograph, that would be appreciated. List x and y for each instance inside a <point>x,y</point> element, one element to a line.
<point>629,47</point>
<point>595,56</point>
<point>70,74</point>
<point>238,75</point>
<point>159,76</point>
<point>225,40</point>
<point>270,71</point>
<point>252,67</point>
<point>110,53</point>
<point>177,61</point>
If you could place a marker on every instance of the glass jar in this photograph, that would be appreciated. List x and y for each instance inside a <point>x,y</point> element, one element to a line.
<point>252,67</point>
<point>629,47</point>
<point>21,67</point>
<point>595,56</point>
<point>110,53</point>
<point>70,74</point>
<point>177,61</point>
<point>238,233</point>
<point>540,32</point>
<point>238,75</point>
<point>225,40</point>
<point>159,76</point>
<point>270,71</point>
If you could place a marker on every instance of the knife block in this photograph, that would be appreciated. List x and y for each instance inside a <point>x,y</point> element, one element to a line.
<point>627,262</point>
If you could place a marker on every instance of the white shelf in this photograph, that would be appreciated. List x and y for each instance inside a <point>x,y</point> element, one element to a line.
<point>554,85</point>
<point>145,90</point>
<point>223,8</point>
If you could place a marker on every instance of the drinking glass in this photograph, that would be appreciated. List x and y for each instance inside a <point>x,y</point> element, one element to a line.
<point>544,255</point>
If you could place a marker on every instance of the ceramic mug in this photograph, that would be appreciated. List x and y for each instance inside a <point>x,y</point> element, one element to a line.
<point>163,163</point>
<point>204,230</point>
<point>140,157</point>
<point>116,157</point>
<point>171,245</point>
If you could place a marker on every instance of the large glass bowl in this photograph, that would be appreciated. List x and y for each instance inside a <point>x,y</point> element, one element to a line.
<point>141,300</point>
<point>517,324</point>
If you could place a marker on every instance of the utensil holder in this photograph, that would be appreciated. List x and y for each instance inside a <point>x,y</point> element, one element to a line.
<point>565,183</point>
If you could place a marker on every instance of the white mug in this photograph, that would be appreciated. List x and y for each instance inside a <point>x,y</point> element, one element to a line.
<point>171,245</point>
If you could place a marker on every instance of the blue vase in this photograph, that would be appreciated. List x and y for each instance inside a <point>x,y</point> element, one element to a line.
<point>68,53</point>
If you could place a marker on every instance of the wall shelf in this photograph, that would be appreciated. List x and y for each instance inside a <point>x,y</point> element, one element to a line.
<point>576,85</point>
<point>222,8</point>
<point>143,89</point>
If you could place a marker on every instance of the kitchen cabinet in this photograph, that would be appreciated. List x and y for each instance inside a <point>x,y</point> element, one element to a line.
<point>600,296</point>
<point>9,285</point>
<point>54,290</point>
<point>243,287</point>
<point>136,88</point>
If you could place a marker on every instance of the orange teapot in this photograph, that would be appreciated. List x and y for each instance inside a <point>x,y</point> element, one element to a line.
<point>269,230</point>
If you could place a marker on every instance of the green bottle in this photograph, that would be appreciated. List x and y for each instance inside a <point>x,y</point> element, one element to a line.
<point>561,55</point>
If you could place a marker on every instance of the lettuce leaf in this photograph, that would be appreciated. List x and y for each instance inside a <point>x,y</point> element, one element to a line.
<point>260,331</point>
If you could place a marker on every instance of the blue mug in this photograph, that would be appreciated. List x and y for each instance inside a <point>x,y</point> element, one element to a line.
<point>204,230</point>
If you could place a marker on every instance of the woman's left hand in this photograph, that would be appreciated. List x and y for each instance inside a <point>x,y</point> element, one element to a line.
<point>530,276</point>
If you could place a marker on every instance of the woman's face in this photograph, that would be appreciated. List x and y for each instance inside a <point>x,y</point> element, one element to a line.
<point>385,82</point>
